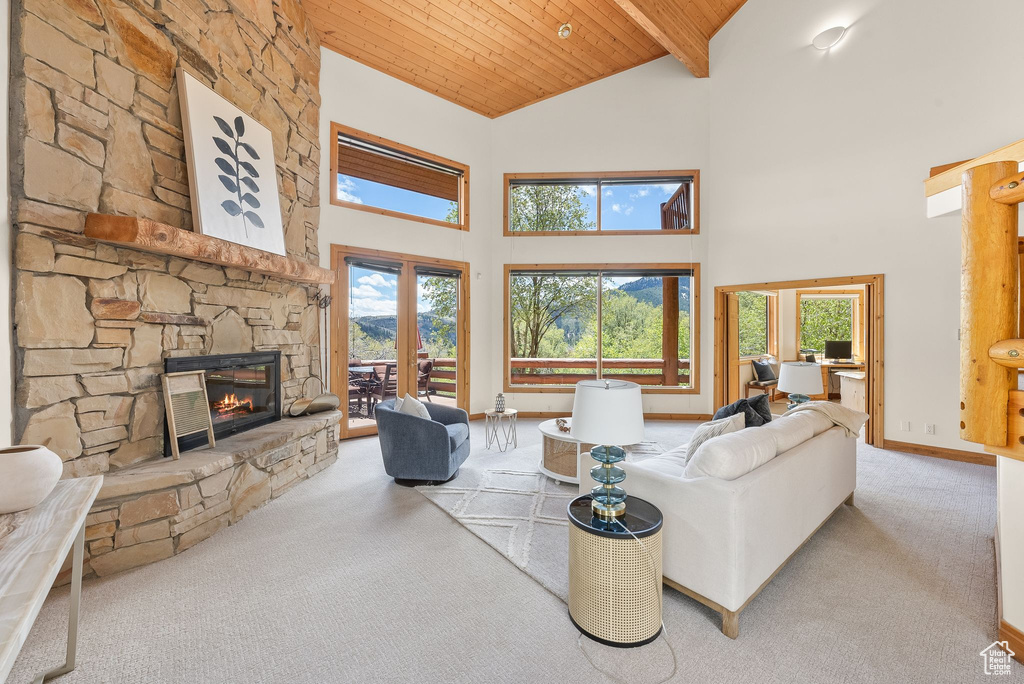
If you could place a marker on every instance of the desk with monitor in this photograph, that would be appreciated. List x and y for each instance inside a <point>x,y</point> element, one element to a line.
<point>838,356</point>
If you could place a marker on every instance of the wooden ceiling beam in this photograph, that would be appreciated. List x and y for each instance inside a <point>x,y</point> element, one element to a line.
<point>666,22</point>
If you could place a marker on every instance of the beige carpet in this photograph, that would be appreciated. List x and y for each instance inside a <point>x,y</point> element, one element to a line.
<point>350,578</point>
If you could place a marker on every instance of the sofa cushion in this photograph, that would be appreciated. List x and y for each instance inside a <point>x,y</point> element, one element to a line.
<point>412,406</point>
<point>457,434</point>
<point>756,410</point>
<point>732,455</point>
<point>713,429</point>
<point>789,433</point>
<point>818,422</point>
<point>763,371</point>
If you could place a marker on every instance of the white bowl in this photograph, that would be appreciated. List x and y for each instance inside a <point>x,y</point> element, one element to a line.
<point>28,473</point>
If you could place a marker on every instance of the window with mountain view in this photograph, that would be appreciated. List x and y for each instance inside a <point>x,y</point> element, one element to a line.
<point>385,177</point>
<point>633,202</point>
<point>630,323</point>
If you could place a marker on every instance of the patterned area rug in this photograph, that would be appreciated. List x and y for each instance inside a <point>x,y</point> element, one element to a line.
<point>519,511</point>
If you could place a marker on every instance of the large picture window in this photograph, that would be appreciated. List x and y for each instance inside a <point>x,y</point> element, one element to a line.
<point>824,315</point>
<point>370,173</point>
<point>570,323</point>
<point>627,203</point>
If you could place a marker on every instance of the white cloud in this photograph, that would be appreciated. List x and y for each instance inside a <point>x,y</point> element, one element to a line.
<point>365,291</point>
<point>377,280</point>
<point>644,192</point>
<point>347,190</point>
<point>626,210</point>
<point>372,307</point>
<point>668,188</point>
<point>607,193</point>
<point>588,190</point>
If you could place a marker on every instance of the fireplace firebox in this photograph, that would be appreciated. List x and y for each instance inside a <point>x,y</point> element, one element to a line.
<point>244,392</point>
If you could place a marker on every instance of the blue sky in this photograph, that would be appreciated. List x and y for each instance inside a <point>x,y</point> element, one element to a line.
<point>372,293</point>
<point>635,206</point>
<point>362,191</point>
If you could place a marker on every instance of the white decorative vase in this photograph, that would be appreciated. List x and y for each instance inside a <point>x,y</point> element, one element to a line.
<point>28,473</point>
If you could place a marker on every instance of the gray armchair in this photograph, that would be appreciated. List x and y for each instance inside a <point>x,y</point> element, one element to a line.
<point>418,451</point>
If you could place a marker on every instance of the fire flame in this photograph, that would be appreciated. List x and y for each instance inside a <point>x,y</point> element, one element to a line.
<point>231,403</point>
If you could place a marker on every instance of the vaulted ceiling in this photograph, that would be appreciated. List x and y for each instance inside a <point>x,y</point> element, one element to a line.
<point>495,56</point>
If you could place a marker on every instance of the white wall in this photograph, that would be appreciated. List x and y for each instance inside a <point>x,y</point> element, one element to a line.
<point>834,145</point>
<point>357,96</point>
<point>6,348</point>
<point>652,117</point>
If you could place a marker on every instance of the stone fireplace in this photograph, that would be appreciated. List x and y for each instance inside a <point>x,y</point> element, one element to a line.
<point>96,128</point>
<point>244,391</point>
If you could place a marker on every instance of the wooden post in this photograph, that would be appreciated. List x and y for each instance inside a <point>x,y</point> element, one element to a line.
<point>670,330</point>
<point>733,347</point>
<point>988,303</point>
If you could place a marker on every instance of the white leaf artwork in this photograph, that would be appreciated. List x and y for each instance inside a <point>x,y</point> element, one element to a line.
<point>231,170</point>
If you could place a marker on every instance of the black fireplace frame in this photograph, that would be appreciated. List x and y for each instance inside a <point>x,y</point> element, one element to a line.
<point>225,362</point>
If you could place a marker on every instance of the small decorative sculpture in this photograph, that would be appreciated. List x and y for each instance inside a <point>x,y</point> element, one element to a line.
<point>562,424</point>
<point>499,403</point>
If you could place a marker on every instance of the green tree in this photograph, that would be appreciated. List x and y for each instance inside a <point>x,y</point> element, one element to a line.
<point>826,318</point>
<point>548,207</point>
<point>753,324</point>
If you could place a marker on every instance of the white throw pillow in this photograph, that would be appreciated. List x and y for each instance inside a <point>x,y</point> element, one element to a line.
<point>733,455</point>
<point>712,429</point>
<point>398,403</point>
<point>414,407</point>
<point>790,431</point>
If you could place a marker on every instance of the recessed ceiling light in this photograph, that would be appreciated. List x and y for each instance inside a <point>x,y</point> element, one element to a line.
<point>829,37</point>
<point>565,30</point>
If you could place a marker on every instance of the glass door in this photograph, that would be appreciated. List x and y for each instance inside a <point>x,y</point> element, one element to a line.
<point>439,335</point>
<point>372,339</point>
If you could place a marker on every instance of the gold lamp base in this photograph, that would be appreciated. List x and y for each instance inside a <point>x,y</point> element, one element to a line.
<point>608,512</point>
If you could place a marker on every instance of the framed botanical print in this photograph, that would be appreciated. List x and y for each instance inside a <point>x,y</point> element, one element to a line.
<point>231,172</point>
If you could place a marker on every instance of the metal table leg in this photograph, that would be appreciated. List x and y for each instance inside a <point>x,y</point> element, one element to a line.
<point>76,598</point>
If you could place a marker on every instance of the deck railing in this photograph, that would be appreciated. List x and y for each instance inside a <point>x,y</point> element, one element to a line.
<point>528,371</point>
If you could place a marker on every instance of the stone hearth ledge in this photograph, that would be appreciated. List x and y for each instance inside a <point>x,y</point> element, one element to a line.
<point>158,508</point>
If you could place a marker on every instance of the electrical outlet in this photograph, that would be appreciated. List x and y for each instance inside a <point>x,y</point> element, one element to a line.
<point>905,426</point>
<point>929,428</point>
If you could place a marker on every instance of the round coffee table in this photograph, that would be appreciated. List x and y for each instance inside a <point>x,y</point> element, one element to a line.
<point>561,453</point>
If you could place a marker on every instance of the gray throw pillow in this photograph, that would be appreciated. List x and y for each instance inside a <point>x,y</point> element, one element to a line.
<point>756,410</point>
<point>714,428</point>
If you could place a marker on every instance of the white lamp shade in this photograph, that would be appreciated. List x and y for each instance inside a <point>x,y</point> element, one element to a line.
<point>800,377</point>
<point>608,412</point>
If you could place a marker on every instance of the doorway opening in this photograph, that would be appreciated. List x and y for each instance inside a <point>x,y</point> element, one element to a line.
<point>836,323</point>
<point>401,326</point>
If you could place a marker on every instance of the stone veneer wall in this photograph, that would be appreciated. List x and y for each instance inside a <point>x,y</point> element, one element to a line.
<point>96,126</point>
<point>162,508</point>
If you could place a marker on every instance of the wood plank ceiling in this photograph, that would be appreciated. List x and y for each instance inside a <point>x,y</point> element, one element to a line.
<point>495,56</point>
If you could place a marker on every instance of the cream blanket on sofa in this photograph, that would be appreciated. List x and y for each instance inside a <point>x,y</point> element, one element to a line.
<point>852,421</point>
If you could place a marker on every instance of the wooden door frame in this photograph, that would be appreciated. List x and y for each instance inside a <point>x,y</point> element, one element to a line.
<point>874,336</point>
<point>406,301</point>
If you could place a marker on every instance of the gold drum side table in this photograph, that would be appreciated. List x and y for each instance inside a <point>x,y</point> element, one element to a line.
<point>615,578</point>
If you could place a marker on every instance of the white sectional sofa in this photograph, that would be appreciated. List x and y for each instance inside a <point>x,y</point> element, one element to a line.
<point>725,539</point>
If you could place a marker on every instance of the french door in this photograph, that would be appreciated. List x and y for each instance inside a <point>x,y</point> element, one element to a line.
<point>400,325</point>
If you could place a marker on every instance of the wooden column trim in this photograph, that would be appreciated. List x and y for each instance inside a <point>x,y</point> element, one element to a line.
<point>670,330</point>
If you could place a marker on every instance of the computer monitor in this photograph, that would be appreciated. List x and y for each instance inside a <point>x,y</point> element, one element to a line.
<point>837,349</point>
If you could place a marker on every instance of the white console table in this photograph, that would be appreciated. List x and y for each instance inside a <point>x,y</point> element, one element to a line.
<point>30,559</point>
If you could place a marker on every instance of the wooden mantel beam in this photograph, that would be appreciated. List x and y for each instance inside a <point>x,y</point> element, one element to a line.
<point>666,22</point>
<point>151,236</point>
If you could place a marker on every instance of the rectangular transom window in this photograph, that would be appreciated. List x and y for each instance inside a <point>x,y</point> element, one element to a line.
<point>374,174</point>
<point>570,323</point>
<point>624,203</point>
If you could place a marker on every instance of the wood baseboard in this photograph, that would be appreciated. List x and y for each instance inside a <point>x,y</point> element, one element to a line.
<point>1014,637</point>
<point>940,452</point>
<point>564,414</point>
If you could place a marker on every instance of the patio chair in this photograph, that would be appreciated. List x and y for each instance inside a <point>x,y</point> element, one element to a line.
<point>425,367</point>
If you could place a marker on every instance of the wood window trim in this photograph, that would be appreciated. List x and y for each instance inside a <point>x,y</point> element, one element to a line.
<point>874,321</point>
<point>858,315</point>
<point>694,387</point>
<point>582,175</point>
<point>772,332</point>
<point>406,301</point>
<point>337,129</point>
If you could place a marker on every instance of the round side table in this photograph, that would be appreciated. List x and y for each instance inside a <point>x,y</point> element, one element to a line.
<point>614,578</point>
<point>500,428</point>
<point>561,452</point>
